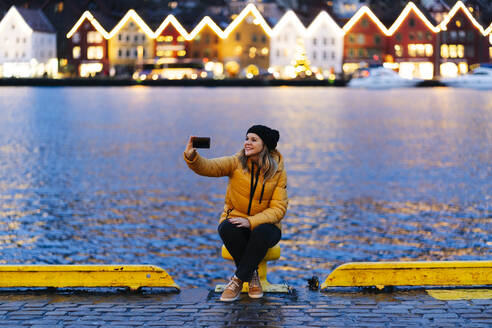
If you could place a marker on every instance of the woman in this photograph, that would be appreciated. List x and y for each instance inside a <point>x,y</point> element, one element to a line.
<point>255,203</point>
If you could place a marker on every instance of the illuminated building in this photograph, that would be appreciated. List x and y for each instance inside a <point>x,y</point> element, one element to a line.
<point>285,38</point>
<point>205,45</point>
<point>246,44</point>
<point>170,43</point>
<point>28,44</point>
<point>89,46</point>
<point>130,44</point>
<point>411,45</point>
<point>324,45</point>
<point>463,42</point>
<point>365,41</point>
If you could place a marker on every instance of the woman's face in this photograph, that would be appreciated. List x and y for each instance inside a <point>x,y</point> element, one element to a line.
<point>253,145</point>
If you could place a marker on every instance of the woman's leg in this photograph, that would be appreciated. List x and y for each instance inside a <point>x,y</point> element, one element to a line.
<point>235,239</point>
<point>261,239</point>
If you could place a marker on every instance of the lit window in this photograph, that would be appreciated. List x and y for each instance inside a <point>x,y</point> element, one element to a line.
<point>452,51</point>
<point>181,53</point>
<point>181,39</point>
<point>95,52</point>
<point>412,50</point>
<point>398,50</point>
<point>429,50</point>
<point>264,51</point>
<point>458,23</point>
<point>168,53</point>
<point>444,51</point>
<point>463,68</point>
<point>94,37</point>
<point>168,38</point>
<point>461,50</point>
<point>160,38</point>
<point>252,52</point>
<point>490,52</point>
<point>76,52</point>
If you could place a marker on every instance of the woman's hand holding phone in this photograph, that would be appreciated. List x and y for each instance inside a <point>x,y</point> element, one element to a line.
<point>190,152</point>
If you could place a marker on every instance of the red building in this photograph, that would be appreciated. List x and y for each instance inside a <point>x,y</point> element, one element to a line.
<point>463,42</point>
<point>171,45</point>
<point>89,46</point>
<point>365,41</point>
<point>412,44</point>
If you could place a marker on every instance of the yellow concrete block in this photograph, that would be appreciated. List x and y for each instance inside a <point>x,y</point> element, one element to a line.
<point>132,276</point>
<point>460,294</point>
<point>433,273</point>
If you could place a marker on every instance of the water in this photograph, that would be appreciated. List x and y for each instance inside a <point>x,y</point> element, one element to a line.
<point>96,175</point>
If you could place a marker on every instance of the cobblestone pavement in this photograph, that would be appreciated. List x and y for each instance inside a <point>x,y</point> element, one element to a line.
<point>202,308</point>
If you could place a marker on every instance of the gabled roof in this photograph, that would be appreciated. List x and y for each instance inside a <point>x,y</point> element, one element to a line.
<point>88,16</point>
<point>324,17</point>
<point>249,9</point>
<point>131,15</point>
<point>171,20</point>
<point>36,20</point>
<point>411,7</point>
<point>364,10</point>
<point>206,21</point>
<point>291,17</point>
<point>456,8</point>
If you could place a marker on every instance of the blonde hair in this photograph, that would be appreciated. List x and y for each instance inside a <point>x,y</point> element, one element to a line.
<point>268,165</point>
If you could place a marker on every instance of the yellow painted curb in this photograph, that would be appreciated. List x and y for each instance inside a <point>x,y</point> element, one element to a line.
<point>132,276</point>
<point>434,273</point>
<point>460,294</point>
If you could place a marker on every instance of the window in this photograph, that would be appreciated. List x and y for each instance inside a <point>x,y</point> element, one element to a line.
<point>76,38</point>
<point>24,40</point>
<point>453,35</point>
<point>120,53</point>
<point>278,53</point>
<point>7,54</point>
<point>333,55</point>
<point>362,52</point>
<point>76,52</point>
<point>351,52</point>
<point>135,53</point>
<point>13,26</point>
<point>333,41</point>
<point>181,53</point>
<point>444,36</point>
<point>207,39</point>
<point>444,51</point>
<point>253,38</point>
<point>314,41</point>
<point>131,24</point>
<point>453,53</point>
<point>127,53</point>
<point>324,55</point>
<point>470,51</point>
<point>128,38</point>
<point>490,52</point>
<point>142,37</point>
<point>429,50</point>
<point>314,54</point>
<point>377,39</point>
<point>361,38</point>
<point>238,36</point>
<point>135,38</point>
<point>169,38</point>
<point>411,22</point>
<point>119,37</point>
<point>17,40</point>
<point>462,35</point>
<point>351,38</point>
<point>420,35</point>
<point>364,23</point>
<point>180,39</point>
<point>325,41</point>
<point>95,52</point>
<point>398,50</point>
<point>398,37</point>
<point>471,36</point>
<point>94,37</point>
<point>428,36</point>
<point>460,50</point>
<point>263,39</point>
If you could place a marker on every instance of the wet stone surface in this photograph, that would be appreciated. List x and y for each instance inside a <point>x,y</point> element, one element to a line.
<point>202,308</point>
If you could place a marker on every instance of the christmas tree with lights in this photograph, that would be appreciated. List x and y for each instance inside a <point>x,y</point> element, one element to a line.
<point>301,62</point>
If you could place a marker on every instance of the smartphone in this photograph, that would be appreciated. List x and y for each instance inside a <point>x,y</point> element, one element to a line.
<point>201,142</point>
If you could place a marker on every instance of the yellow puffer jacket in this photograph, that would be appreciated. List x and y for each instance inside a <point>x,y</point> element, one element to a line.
<point>274,200</point>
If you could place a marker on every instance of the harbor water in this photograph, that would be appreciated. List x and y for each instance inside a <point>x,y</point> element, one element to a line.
<point>96,175</point>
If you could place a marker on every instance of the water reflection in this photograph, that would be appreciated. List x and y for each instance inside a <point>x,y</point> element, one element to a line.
<point>95,175</point>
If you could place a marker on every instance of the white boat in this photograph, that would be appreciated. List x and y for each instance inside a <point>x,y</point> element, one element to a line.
<point>479,78</point>
<point>380,78</point>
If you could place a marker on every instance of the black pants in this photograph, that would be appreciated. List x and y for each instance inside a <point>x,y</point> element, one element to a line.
<point>248,247</point>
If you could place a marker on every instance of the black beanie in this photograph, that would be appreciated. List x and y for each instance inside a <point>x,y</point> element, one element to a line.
<point>269,136</point>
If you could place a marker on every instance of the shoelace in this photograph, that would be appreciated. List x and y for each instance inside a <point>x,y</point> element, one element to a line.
<point>231,283</point>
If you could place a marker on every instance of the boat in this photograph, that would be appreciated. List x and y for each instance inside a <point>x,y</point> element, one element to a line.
<point>480,78</point>
<point>380,78</point>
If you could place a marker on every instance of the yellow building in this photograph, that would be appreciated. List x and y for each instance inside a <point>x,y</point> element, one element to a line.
<point>246,44</point>
<point>130,44</point>
<point>205,45</point>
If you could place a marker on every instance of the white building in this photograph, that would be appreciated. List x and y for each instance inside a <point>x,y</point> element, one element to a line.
<point>321,43</point>
<point>27,44</point>
<point>287,35</point>
<point>324,45</point>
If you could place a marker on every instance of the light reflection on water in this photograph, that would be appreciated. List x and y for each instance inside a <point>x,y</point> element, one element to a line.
<point>95,175</point>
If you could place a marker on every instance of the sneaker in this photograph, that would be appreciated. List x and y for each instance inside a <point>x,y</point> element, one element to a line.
<point>232,290</point>
<point>255,290</point>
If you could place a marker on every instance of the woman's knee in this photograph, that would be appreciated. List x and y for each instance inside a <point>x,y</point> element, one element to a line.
<point>266,233</point>
<point>226,228</point>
